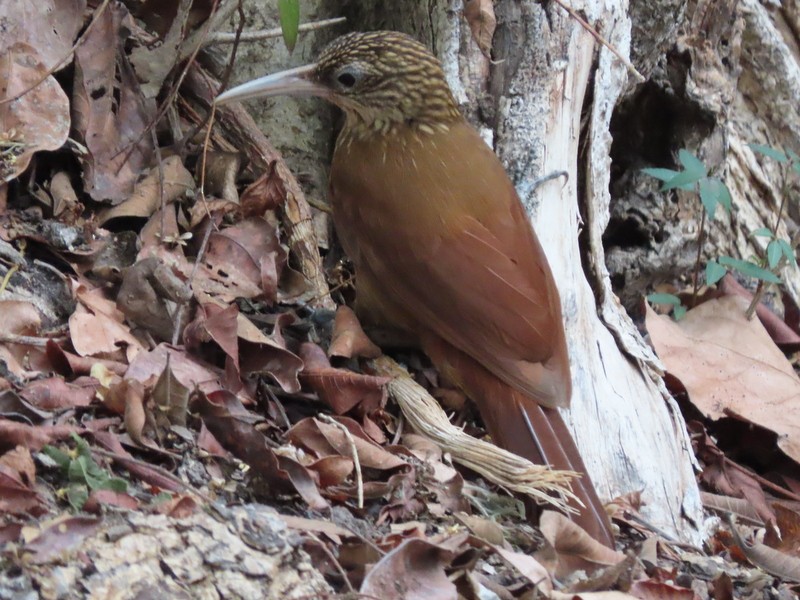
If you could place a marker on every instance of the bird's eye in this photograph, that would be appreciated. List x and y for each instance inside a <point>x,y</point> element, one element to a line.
<point>347,79</point>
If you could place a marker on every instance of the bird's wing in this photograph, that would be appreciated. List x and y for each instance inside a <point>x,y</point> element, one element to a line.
<point>459,259</point>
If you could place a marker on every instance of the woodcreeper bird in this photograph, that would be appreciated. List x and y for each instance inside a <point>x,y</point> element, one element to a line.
<point>441,243</point>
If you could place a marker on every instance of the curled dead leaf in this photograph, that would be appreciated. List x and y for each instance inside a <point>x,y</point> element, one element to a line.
<point>575,549</point>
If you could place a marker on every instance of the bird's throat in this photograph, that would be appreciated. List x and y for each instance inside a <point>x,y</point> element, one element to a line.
<point>363,127</point>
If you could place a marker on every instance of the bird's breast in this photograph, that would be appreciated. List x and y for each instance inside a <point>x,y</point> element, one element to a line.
<point>411,188</point>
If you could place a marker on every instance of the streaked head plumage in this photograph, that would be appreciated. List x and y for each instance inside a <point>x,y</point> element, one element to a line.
<point>386,76</point>
<point>381,79</point>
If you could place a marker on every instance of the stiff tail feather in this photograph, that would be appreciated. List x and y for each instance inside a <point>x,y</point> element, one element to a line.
<point>518,424</point>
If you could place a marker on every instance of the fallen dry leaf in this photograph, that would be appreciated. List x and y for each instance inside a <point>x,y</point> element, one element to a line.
<point>783,335</point>
<point>722,474</point>
<point>50,26</point>
<point>34,438</point>
<point>341,389</point>
<point>555,595</point>
<point>233,426</point>
<point>179,507</point>
<point>101,498</point>
<point>186,369</point>
<point>325,440</point>
<point>775,562</point>
<point>217,324</point>
<point>575,549</point>
<point>18,318</point>
<point>731,367</point>
<point>153,62</point>
<point>20,461</point>
<point>16,496</point>
<point>151,193</point>
<point>658,590</point>
<point>412,571</point>
<point>348,339</point>
<point>261,353</point>
<point>527,566</point>
<point>39,120</point>
<point>788,523</point>
<point>100,336</point>
<point>109,117</point>
<point>133,393</point>
<point>265,193</point>
<point>55,393</point>
<point>59,537</point>
<point>171,397</point>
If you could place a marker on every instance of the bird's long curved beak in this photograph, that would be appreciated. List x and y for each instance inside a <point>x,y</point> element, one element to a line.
<point>294,82</point>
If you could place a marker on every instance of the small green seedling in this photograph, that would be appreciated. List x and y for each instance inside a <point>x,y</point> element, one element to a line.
<point>83,473</point>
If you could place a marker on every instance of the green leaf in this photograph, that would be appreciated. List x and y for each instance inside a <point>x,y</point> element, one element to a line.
<point>796,167</point>
<point>793,156</point>
<point>666,175</point>
<point>84,470</point>
<point>61,458</point>
<point>763,232</point>
<point>774,254</point>
<point>708,196</point>
<point>161,497</point>
<point>787,251</point>
<point>692,164</point>
<point>723,194</point>
<point>115,484</point>
<point>684,180</point>
<point>769,152</point>
<point>714,272</point>
<point>77,495</point>
<point>679,312</point>
<point>289,13</point>
<point>82,445</point>
<point>662,174</point>
<point>664,299</point>
<point>750,269</point>
<point>712,193</point>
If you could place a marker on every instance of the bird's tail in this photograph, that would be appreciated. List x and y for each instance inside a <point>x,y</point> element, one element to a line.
<point>518,424</point>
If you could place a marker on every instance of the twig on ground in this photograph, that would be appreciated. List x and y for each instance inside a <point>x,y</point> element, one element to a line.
<point>359,480</point>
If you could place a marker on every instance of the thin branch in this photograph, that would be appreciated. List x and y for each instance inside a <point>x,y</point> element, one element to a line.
<point>29,340</point>
<point>127,461</point>
<point>334,561</point>
<point>224,37</point>
<point>198,39</point>
<point>700,239</point>
<point>761,287</point>
<point>359,480</point>
<point>593,32</point>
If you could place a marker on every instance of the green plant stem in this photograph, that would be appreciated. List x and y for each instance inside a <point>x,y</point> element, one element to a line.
<point>700,239</point>
<point>761,288</point>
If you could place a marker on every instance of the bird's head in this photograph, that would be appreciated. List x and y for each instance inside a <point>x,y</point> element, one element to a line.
<point>379,79</point>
